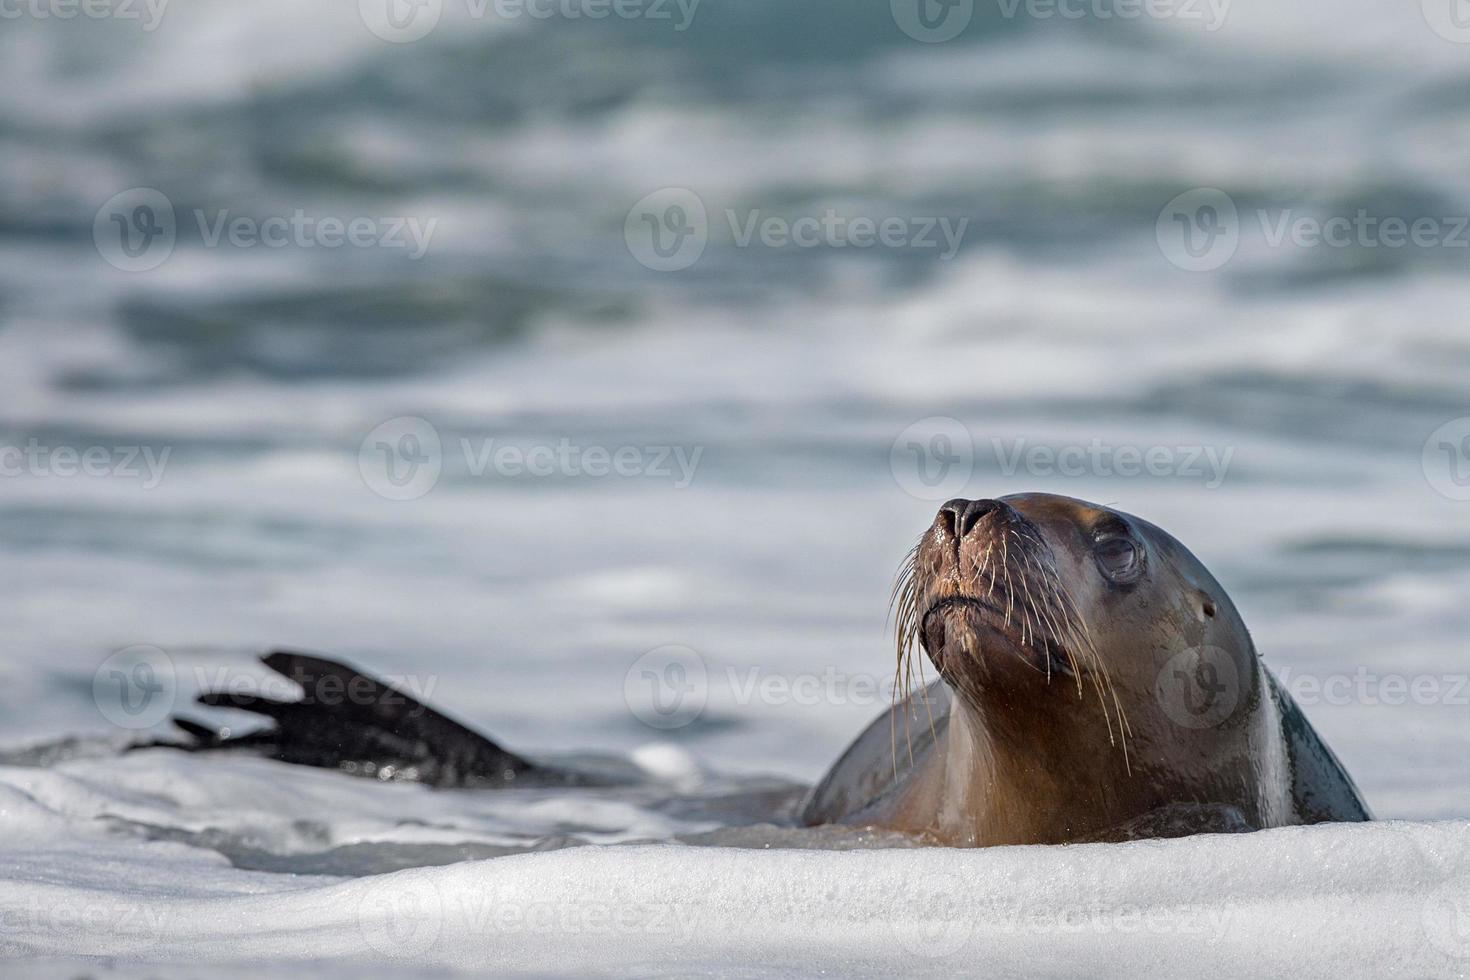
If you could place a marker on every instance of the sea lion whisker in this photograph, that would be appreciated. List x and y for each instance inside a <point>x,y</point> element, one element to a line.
<point>1005,564</point>
<point>1045,568</point>
<point>1041,621</point>
<point>904,596</point>
<point>1025,613</point>
<point>1054,628</point>
<point>1102,677</point>
<point>928,708</point>
<point>1032,562</point>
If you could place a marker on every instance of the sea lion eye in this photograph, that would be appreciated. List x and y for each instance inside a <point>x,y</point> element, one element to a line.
<point>1119,558</point>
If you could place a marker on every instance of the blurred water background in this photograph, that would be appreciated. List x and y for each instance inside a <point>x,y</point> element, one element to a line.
<point>1063,319</point>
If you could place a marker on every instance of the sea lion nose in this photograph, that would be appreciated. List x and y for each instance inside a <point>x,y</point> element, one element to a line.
<point>960,516</point>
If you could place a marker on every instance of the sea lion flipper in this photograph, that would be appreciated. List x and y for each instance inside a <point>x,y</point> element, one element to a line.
<point>1322,790</point>
<point>243,702</point>
<point>349,720</point>
<point>194,730</point>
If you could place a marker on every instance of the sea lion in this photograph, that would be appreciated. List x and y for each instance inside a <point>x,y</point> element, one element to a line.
<point>1095,683</point>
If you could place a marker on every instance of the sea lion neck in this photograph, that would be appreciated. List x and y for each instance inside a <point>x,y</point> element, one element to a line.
<point>984,786</point>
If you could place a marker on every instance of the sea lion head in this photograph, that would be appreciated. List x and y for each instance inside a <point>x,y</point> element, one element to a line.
<point>1091,647</point>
